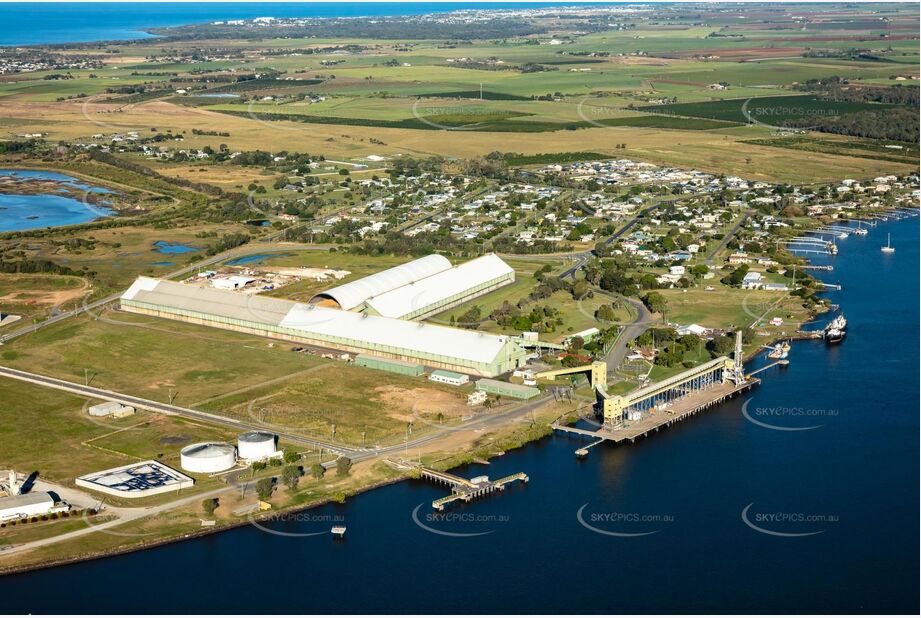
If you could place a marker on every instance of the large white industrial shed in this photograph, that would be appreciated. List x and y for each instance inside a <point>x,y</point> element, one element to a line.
<point>443,290</point>
<point>353,294</point>
<point>429,344</point>
<point>25,505</point>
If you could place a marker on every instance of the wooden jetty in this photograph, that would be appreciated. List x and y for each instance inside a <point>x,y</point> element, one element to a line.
<point>467,490</point>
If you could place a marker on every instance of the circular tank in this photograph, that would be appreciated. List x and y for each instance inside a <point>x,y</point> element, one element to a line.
<point>256,445</point>
<point>208,457</point>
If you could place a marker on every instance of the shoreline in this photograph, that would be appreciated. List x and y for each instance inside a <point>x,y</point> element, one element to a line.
<point>268,516</point>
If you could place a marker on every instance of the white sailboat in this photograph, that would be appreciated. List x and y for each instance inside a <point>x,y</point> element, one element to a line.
<point>888,248</point>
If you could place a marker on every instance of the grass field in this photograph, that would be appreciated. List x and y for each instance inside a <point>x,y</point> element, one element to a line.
<point>149,357</point>
<point>868,149</point>
<point>33,296</point>
<point>770,110</point>
<point>577,314</point>
<point>713,150</point>
<point>50,432</point>
<point>726,306</point>
<point>368,106</point>
<point>350,404</point>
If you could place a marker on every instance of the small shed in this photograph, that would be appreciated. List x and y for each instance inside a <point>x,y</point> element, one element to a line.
<point>110,408</point>
<point>506,389</point>
<point>392,365</point>
<point>449,377</point>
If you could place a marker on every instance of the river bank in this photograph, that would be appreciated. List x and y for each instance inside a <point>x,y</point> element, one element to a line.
<point>842,461</point>
<point>457,448</point>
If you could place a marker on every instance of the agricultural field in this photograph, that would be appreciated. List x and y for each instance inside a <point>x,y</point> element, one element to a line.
<point>651,88</point>
<point>654,155</point>
<point>767,110</point>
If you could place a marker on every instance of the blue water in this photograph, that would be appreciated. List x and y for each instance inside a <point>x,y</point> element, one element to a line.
<point>253,259</point>
<point>61,178</point>
<point>163,263</point>
<point>860,466</point>
<point>29,23</point>
<point>161,246</point>
<point>27,212</point>
<point>218,95</point>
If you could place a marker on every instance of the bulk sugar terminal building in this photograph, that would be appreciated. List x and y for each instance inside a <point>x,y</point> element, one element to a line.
<point>374,315</point>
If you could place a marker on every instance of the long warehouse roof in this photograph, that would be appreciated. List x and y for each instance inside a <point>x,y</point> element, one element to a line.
<point>352,294</point>
<point>439,287</point>
<point>410,336</point>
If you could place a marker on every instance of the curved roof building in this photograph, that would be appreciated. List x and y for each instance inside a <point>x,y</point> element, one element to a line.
<point>353,294</point>
<point>443,290</point>
<point>432,345</point>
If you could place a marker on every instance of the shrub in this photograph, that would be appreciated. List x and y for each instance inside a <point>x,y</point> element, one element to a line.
<point>343,466</point>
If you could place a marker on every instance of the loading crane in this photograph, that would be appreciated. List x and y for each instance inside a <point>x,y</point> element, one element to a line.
<point>613,408</point>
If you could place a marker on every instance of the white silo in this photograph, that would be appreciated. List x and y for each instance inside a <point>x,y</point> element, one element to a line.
<point>208,457</point>
<point>256,445</point>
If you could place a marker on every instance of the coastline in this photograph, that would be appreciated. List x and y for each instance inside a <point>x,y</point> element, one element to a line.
<point>450,461</point>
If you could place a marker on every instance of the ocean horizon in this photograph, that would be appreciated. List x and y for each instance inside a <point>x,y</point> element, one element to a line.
<point>37,23</point>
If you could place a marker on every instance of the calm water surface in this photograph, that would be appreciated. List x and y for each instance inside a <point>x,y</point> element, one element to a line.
<point>30,23</point>
<point>851,484</point>
<point>27,212</point>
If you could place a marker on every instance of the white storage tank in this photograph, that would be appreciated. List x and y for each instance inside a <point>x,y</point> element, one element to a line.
<point>208,457</point>
<point>256,445</point>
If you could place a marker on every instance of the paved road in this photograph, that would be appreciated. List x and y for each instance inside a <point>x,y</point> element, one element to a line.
<point>163,408</point>
<point>214,259</point>
<point>728,236</point>
<point>123,518</point>
<point>629,334</point>
<point>355,454</point>
<point>582,258</point>
<point>480,423</point>
<point>125,515</point>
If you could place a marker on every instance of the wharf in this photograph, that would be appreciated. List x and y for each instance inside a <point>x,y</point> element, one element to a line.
<point>461,488</point>
<point>652,421</point>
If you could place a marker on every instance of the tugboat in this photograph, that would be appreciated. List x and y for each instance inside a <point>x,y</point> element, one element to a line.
<point>836,330</point>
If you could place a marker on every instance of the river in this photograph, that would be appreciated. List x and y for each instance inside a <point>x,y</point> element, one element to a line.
<point>832,511</point>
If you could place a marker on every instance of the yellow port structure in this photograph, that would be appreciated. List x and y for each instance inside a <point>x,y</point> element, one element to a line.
<point>615,409</point>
